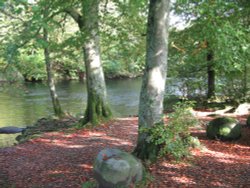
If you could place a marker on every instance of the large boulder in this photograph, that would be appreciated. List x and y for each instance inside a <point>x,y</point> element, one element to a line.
<point>116,168</point>
<point>224,128</point>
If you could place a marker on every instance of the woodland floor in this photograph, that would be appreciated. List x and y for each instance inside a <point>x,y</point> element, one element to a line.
<point>64,159</point>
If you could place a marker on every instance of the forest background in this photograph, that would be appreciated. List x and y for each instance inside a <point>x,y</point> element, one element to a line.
<point>212,39</point>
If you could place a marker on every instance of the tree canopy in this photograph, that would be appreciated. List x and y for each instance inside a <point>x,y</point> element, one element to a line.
<point>217,29</point>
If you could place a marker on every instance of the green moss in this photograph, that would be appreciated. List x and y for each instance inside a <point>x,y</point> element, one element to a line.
<point>90,184</point>
<point>97,111</point>
<point>224,131</point>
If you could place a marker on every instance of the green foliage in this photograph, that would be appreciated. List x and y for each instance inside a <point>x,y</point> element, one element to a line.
<point>123,39</point>
<point>89,184</point>
<point>174,139</point>
<point>32,66</point>
<point>112,68</point>
<point>220,27</point>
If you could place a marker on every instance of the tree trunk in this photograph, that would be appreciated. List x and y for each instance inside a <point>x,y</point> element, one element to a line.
<point>153,84</point>
<point>55,101</point>
<point>246,84</point>
<point>211,76</point>
<point>97,107</point>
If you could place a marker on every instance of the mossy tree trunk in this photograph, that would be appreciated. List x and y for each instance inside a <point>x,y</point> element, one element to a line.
<point>153,84</point>
<point>97,106</point>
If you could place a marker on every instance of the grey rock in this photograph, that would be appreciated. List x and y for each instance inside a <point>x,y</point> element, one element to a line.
<point>116,168</point>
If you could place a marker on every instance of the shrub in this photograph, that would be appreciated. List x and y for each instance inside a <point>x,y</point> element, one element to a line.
<point>174,139</point>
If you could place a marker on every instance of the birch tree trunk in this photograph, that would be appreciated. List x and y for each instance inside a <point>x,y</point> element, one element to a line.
<point>97,107</point>
<point>87,20</point>
<point>55,101</point>
<point>154,78</point>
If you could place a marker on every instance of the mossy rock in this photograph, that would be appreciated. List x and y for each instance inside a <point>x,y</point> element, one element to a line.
<point>248,121</point>
<point>224,128</point>
<point>116,168</point>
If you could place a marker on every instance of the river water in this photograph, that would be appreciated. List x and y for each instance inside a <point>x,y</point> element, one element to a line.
<point>23,105</point>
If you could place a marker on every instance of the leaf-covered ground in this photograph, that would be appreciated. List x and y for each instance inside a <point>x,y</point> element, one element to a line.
<point>64,159</point>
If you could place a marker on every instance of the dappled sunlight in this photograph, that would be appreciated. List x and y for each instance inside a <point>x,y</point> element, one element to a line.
<point>226,161</point>
<point>218,154</point>
<point>59,159</point>
<point>71,146</point>
<point>242,147</point>
<point>117,140</point>
<point>174,166</point>
<point>156,80</point>
<point>128,118</point>
<point>57,172</point>
<point>159,53</point>
<point>219,184</point>
<point>184,180</point>
<point>86,166</point>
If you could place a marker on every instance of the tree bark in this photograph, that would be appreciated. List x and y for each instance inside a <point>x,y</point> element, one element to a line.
<point>97,106</point>
<point>211,76</point>
<point>154,78</point>
<point>55,101</point>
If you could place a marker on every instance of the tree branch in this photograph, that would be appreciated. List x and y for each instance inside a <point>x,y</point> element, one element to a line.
<point>75,14</point>
<point>10,15</point>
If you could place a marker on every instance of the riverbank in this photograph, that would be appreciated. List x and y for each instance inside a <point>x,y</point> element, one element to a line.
<point>64,158</point>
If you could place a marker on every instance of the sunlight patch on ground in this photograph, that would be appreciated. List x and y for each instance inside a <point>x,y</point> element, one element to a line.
<point>127,118</point>
<point>120,141</point>
<point>183,179</point>
<point>58,172</point>
<point>97,133</point>
<point>176,166</point>
<point>86,166</point>
<point>219,154</point>
<point>227,161</point>
<point>218,184</point>
<point>41,140</point>
<point>66,144</point>
<point>242,147</point>
<point>75,146</point>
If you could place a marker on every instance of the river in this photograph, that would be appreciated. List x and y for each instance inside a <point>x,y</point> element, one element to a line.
<point>23,105</point>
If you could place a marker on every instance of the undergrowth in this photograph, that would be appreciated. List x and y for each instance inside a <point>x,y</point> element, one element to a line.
<point>174,138</point>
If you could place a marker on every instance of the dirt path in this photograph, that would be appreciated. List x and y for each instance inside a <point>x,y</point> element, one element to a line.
<point>64,159</point>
